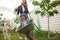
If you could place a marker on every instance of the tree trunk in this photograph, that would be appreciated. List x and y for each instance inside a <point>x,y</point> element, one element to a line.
<point>48,28</point>
<point>38,20</point>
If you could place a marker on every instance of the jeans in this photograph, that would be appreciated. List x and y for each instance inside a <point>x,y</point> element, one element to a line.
<point>21,22</point>
<point>28,36</point>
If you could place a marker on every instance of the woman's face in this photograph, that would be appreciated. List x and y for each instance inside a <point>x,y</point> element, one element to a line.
<point>23,1</point>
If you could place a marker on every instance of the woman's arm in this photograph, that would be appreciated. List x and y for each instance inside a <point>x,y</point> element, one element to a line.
<point>28,11</point>
<point>18,11</point>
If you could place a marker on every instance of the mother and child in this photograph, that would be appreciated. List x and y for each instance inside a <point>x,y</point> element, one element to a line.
<point>23,15</point>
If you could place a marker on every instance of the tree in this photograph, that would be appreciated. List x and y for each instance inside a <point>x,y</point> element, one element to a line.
<point>2,20</point>
<point>17,19</point>
<point>47,8</point>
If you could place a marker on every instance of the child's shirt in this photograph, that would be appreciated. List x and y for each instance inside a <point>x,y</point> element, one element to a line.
<point>25,23</point>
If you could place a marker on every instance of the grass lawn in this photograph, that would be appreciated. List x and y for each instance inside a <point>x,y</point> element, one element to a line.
<point>14,36</point>
<point>38,36</point>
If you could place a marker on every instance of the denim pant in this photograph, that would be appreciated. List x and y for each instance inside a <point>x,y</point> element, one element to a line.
<point>29,35</point>
<point>21,22</point>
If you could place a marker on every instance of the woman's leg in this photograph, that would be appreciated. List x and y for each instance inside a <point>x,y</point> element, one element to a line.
<point>21,24</point>
<point>30,36</point>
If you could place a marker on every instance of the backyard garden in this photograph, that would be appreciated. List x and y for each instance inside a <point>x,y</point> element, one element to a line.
<point>46,8</point>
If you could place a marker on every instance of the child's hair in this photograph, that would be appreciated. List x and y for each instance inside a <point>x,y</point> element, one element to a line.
<point>23,17</point>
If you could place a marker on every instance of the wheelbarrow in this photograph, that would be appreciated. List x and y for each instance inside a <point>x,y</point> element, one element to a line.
<point>27,28</point>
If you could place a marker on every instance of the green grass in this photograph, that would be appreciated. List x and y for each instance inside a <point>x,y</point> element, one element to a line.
<point>43,35</point>
<point>1,36</point>
<point>38,36</point>
<point>14,36</point>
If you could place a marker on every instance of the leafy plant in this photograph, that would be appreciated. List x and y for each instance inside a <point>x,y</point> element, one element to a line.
<point>2,20</point>
<point>47,8</point>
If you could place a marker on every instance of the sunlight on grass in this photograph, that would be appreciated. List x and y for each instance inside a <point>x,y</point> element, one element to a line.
<point>14,36</point>
<point>37,35</point>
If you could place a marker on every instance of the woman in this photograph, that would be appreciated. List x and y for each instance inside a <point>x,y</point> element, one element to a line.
<point>22,9</point>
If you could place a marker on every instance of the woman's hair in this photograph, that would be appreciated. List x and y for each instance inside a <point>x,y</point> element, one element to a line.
<point>24,4</point>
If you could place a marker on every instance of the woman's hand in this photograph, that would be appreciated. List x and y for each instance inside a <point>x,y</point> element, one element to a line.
<point>29,12</point>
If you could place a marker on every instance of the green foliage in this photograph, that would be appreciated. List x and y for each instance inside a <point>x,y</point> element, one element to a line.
<point>46,6</point>
<point>51,13</point>
<point>36,3</point>
<point>55,3</point>
<point>2,20</point>
<point>15,10</point>
<point>16,21</point>
<point>55,11</point>
<point>1,14</point>
<point>37,11</point>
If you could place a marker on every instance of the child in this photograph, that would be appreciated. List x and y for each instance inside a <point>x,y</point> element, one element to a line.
<point>25,23</point>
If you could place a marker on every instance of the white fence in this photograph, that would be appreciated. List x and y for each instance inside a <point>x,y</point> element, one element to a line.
<point>54,21</point>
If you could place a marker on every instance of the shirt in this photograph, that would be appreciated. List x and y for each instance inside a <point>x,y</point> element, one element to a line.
<point>24,23</point>
<point>22,9</point>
